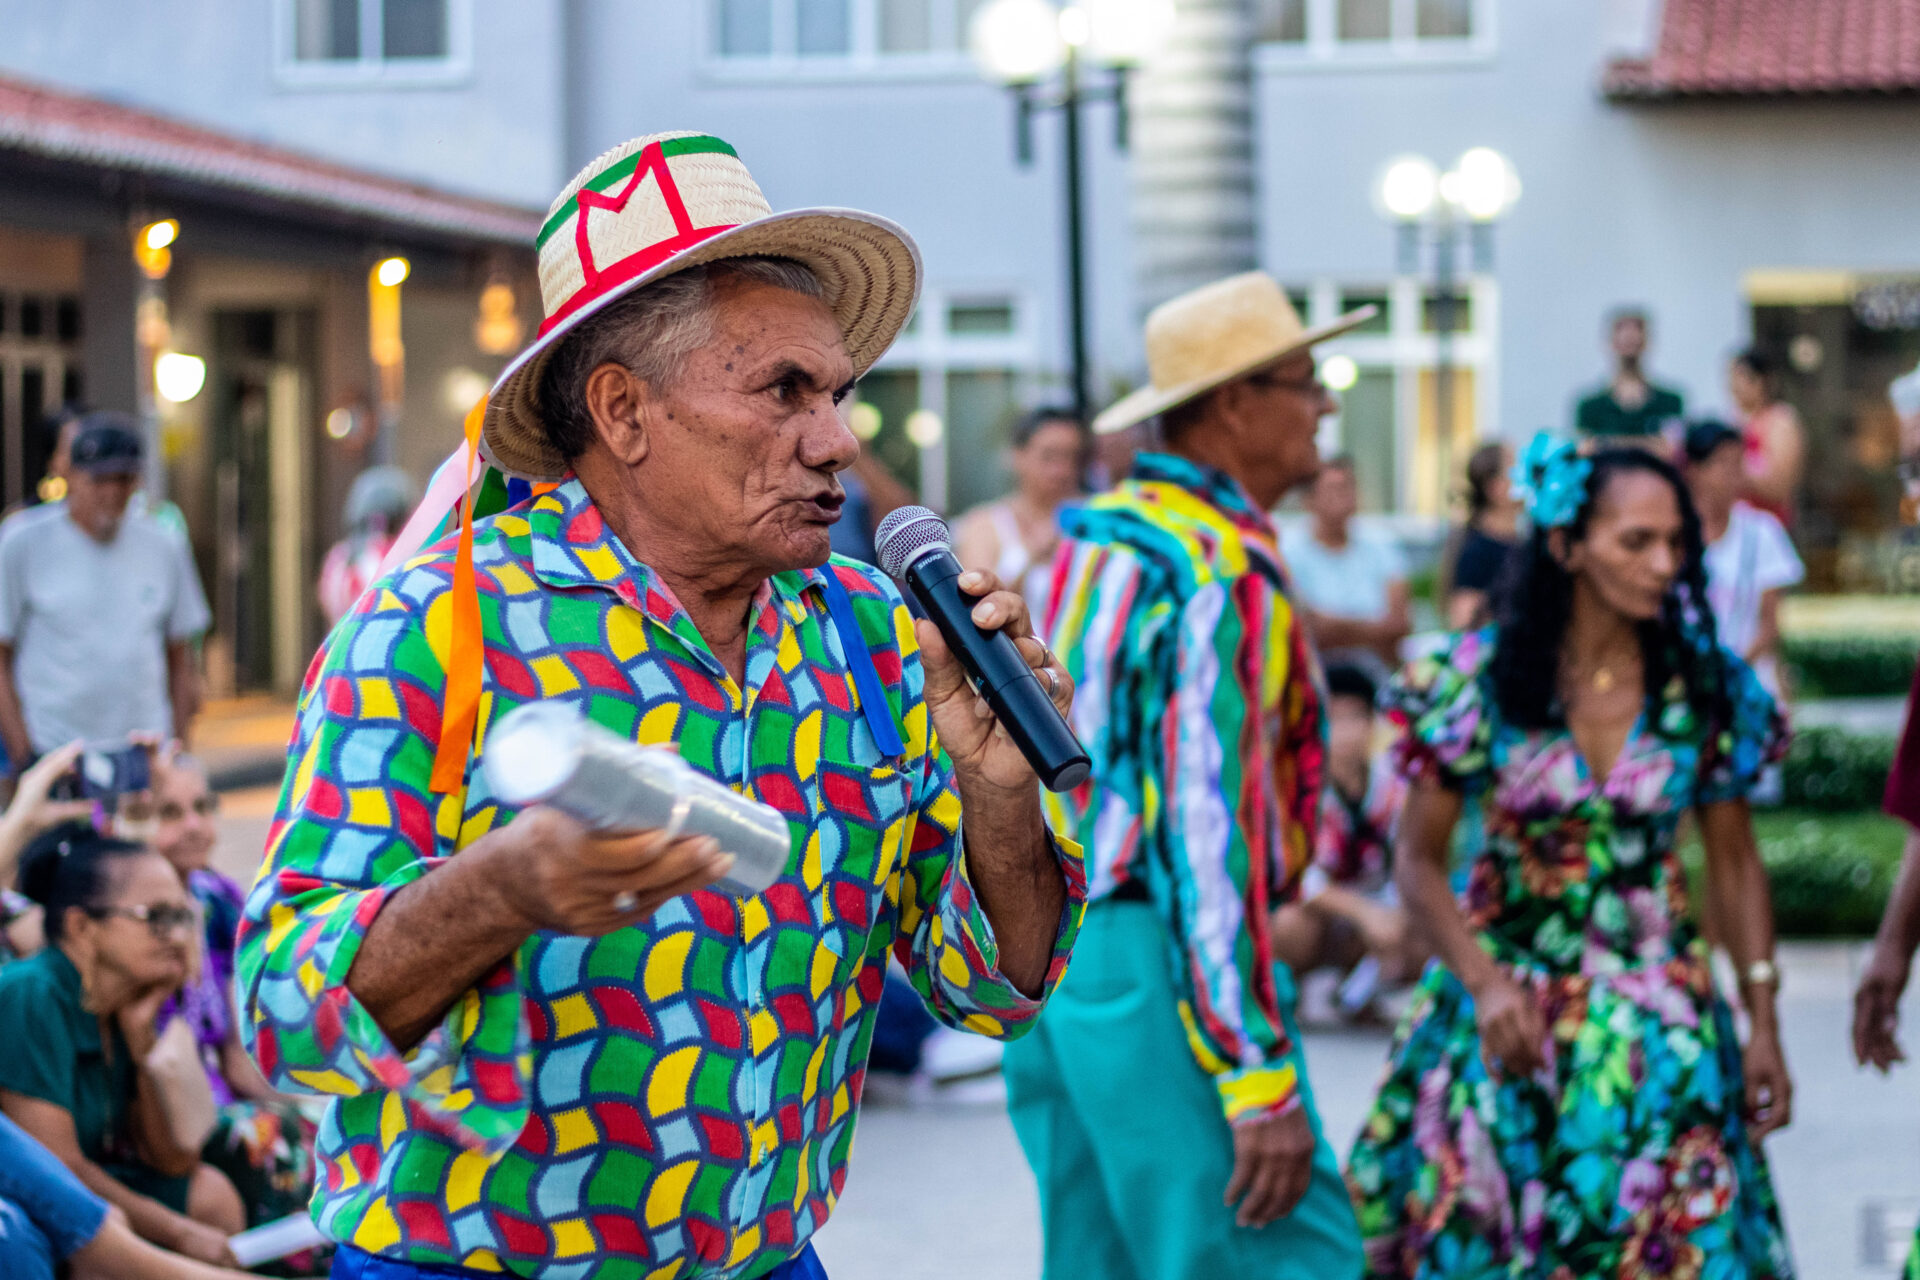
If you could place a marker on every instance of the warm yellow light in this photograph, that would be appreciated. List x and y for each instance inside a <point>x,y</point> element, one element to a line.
<point>460,388</point>
<point>158,235</point>
<point>864,421</point>
<point>1339,372</point>
<point>1017,41</point>
<point>178,377</point>
<point>497,331</point>
<point>383,312</point>
<point>924,428</point>
<point>1409,187</point>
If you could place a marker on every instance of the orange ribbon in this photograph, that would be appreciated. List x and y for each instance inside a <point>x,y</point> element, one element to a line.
<point>465,657</point>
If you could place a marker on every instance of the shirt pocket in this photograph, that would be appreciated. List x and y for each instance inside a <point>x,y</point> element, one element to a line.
<point>865,813</point>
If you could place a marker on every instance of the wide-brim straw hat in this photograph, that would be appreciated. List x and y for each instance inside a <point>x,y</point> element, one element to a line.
<point>663,203</point>
<point>1216,333</point>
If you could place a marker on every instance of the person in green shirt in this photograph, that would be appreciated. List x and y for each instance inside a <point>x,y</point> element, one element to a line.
<point>120,926</point>
<point>1631,404</point>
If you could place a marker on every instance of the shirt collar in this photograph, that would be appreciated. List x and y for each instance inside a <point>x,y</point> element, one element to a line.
<point>572,546</point>
<point>1210,484</point>
<point>86,1028</point>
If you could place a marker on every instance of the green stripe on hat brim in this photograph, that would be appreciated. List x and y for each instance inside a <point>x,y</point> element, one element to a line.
<point>621,169</point>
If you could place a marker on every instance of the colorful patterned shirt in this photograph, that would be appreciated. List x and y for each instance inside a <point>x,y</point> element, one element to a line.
<point>1354,846</point>
<point>673,1099</point>
<point>1199,701</point>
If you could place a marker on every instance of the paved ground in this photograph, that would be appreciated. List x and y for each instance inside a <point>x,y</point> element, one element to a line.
<point>940,1192</point>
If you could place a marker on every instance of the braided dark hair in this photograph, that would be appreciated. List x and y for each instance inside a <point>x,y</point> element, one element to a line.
<point>1535,601</point>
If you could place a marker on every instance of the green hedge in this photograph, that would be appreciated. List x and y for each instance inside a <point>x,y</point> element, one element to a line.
<point>1830,873</point>
<point>1833,770</point>
<point>1859,666</point>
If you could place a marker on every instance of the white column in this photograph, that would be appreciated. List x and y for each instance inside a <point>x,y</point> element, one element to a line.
<point>1195,219</point>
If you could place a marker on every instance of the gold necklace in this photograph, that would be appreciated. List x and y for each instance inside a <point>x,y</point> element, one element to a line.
<point>1602,679</point>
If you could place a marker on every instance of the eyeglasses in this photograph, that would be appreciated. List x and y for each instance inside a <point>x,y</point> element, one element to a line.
<point>161,919</point>
<point>143,810</point>
<point>1311,387</point>
<point>206,806</point>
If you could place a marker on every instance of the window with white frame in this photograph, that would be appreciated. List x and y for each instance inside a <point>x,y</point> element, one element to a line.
<point>1408,450</point>
<point>372,41</point>
<point>836,33</point>
<point>947,391</point>
<point>1346,30</point>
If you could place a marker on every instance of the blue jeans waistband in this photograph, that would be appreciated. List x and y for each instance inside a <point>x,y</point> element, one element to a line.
<point>350,1263</point>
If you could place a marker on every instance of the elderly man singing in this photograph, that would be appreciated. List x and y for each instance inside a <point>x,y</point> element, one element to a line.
<point>560,1054</point>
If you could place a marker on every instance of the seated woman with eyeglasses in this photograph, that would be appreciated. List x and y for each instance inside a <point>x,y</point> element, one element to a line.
<point>260,1140</point>
<point>120,930</point>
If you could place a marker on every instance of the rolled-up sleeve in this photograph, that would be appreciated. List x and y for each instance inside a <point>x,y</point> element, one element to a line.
<point>355,822</point>
<point>945,940</point>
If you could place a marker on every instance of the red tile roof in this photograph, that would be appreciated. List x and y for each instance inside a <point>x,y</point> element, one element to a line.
<point>59,125</point>
<point>1747,48</point>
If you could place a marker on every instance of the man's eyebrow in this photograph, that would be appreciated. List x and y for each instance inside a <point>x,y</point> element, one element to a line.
<point>786,368</point>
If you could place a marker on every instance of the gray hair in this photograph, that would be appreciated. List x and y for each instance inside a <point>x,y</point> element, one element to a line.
<point>651,332</point>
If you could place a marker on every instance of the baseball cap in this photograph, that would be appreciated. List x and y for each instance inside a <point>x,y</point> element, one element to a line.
<point>108,444</point>
<point>1706,435</point>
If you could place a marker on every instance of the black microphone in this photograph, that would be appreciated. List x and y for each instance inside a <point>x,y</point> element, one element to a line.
<point>913,544</point>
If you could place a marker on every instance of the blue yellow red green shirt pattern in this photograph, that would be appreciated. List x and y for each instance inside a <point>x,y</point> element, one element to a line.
<point>1199,700</point>
<point>673,1099</point>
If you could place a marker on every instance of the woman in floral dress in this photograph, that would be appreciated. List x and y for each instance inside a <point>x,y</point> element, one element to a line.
<point>1567,1097</point>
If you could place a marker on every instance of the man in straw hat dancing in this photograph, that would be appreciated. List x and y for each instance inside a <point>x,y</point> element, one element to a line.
<point>560,1054</point>
<point>1163,1101</point>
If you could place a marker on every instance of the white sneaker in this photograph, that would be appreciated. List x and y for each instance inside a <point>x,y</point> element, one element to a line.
<point>1359,987</point>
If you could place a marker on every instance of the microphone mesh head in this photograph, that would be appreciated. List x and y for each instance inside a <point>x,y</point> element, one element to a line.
<point>905,534</point>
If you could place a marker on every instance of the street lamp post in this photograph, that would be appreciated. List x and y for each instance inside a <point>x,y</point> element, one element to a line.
<point>1430,207</point>
<point>1021,44</point>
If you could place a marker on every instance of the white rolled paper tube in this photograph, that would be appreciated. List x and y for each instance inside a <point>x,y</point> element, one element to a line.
<point>548,753</point>
<point>276,1239</point>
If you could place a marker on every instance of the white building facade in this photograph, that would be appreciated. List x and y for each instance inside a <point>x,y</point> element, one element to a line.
<point>1750,207</point>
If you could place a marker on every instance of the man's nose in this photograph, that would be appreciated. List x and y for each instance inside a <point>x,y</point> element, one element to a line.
<point>828,443</point>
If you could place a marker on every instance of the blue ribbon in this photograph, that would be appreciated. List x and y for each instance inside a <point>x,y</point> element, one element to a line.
<point>868,690</point>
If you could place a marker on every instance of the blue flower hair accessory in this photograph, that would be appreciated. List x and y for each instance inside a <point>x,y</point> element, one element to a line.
<point>1551,478</point>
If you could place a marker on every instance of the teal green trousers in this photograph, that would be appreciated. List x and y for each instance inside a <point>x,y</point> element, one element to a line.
<point>1126,1137</point>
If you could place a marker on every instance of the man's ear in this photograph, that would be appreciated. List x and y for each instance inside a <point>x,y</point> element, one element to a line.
<point>621,406</point>
<point>1232,405</point>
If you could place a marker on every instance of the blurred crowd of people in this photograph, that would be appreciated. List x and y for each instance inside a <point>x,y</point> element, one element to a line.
<point>136,1137</point>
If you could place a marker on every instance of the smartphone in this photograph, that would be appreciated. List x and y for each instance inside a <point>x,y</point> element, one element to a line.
<point>106,775</point>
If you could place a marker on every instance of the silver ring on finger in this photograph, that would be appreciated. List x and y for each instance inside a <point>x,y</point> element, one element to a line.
<point>626,902</point>
<point>1053,681</point>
